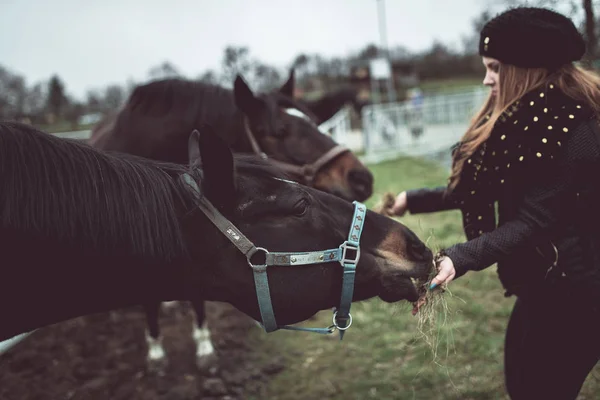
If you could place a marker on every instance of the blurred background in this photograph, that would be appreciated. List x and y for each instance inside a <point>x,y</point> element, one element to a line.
<point>414,74</point>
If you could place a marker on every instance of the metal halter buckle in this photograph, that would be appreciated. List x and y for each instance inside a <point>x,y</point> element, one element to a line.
<point>335,323</point>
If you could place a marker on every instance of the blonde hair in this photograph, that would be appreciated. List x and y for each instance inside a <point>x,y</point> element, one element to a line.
<point>514,82</point>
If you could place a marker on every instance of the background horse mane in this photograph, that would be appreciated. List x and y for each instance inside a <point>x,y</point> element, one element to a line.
<point>83,197</point>
<point>188,104</point>
<point>182,99</point>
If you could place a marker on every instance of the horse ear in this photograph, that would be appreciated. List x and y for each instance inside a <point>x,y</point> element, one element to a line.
<point>212,153</point>
<point>288,87</point>
<point>244,98</point>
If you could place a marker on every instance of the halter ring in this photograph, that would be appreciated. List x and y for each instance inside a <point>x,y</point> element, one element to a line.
<point>336,324</point>
<point>257,266</point>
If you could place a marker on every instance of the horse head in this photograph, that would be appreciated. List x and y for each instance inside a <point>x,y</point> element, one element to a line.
<point>254,203</point>
<point>282,129</point>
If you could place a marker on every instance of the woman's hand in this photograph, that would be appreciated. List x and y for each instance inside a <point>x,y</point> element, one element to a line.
<point>400,205</point>
<point>446,272</point>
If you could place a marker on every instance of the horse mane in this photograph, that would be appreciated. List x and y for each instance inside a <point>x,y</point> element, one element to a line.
<point>193,101</point>
<point>189,104</point>
<point>81,196</point>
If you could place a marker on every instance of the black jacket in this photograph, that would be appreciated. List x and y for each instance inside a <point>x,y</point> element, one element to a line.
<point>542,214</point>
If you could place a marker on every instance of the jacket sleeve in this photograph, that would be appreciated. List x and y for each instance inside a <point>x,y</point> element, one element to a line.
<point>427,200</point>
<point>537,214</point>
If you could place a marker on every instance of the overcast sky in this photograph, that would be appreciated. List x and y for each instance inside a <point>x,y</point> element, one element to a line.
<point>91,44</point>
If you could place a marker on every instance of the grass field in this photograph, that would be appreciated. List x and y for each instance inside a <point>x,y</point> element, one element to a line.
<point>450,85</point>
<point>383,356</point>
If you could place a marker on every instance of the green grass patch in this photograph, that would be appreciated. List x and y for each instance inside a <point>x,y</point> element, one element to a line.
<point>382,356</point>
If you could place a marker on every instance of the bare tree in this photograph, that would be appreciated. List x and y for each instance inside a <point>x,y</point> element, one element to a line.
<point>236,60</point>
<point>57,100</point>
<point>93,101</point>
<point>13,92</point>
<point>73,112</point>
<point>209,77</point>
<point>590,29</point>
<point>114,97</point>
<point>164,71</point>
<point>369,52</point>
<point>266,78</point>
<point>34,102</point>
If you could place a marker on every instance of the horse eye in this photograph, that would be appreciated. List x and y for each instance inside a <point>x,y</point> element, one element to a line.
<point>301,207</point>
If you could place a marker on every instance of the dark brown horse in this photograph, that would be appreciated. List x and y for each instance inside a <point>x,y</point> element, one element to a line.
<point>84,231</point>
<point>156,121</point>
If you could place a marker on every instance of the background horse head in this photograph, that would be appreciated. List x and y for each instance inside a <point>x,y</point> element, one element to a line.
<point>86,232</point>
<point>158,117</point>
<point>331,102</point>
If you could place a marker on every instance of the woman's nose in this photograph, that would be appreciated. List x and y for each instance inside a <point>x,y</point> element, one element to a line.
<point>487,80</point>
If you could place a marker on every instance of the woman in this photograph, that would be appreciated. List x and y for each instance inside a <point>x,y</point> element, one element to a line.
<point>534,149</point>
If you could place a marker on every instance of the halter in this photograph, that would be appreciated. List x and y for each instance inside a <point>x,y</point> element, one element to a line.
<point>347,254</point>
<point>307,171</point>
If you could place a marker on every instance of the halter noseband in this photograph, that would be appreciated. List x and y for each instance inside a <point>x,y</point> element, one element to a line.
<point>307,171</point>
<point>347,254</point>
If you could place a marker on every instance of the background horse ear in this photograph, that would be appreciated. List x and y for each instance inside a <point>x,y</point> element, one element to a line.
<point>288,87</point>
<point>218,169</point>
<point>244,98</point>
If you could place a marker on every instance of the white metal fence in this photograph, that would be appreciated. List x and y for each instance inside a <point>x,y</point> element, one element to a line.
<point>338,126</point>
<point>404,128</point>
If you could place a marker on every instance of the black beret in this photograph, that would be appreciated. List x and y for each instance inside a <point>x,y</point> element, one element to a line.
<point>531,37</point>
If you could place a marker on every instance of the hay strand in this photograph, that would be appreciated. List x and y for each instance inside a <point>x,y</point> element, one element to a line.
<point>431,309</point>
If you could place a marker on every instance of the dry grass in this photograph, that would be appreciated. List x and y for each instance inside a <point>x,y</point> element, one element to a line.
<point>432,310</point>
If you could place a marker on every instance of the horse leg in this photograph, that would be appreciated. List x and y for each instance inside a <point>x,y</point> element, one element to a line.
<point>167,305</point>
<point>155,358</point>
<point>205,351</point>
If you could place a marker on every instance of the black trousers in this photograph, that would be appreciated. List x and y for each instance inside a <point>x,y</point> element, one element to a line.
<point>551,346</point>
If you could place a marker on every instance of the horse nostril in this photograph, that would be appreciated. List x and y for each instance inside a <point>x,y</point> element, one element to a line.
<point>361,182</point>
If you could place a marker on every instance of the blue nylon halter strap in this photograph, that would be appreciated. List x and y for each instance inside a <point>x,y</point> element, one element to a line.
<point>347,254</point>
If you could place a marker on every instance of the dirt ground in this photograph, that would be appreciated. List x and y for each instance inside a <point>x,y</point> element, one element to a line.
<point>103,357</point>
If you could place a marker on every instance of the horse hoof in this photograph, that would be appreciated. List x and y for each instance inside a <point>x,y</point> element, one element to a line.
<point>207,362</point>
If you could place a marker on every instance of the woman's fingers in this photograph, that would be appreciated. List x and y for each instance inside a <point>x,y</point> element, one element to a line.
<point>446,273</point>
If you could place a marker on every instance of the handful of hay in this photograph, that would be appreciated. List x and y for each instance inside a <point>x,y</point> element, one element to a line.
<point>431,309</point>
<point>384,205</point>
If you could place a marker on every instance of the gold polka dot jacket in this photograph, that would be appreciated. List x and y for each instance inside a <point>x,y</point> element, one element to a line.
<point>535,166</point>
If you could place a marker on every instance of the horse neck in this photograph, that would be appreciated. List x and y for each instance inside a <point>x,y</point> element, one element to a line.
<point>46,282</point>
